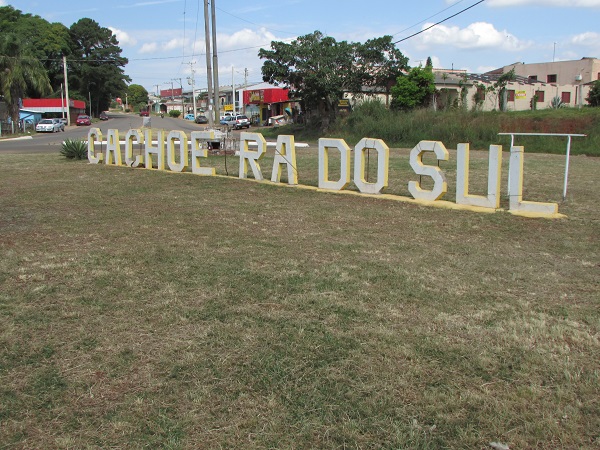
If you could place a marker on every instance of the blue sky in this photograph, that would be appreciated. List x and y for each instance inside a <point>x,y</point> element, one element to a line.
<point>161,37</point>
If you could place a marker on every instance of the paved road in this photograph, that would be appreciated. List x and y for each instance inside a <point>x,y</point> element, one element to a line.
<point>51,142</point>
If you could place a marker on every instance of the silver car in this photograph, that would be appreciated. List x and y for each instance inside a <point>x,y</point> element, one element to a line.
<point>50,126</point>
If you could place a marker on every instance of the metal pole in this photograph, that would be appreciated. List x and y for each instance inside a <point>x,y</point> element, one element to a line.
<point>232,91</point>
<point>567,168</point>
<point>66,89</point>
<point>193,88</point>
<point>211,119</point>
<point>215,58</point>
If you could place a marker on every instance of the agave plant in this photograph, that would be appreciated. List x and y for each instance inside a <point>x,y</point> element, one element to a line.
<point>556,103</point>
<point>74,149</point>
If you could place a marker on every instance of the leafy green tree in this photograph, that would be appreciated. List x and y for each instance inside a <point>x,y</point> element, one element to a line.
<point>593,97</point>
<point>414,90</point>
<point>97,70</point>
<point>137,95</point>
<point>318,70</point>
<point>47,42</point>
<point>20,74</point>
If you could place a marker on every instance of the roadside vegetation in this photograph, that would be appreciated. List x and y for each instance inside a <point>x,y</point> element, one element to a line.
<point>406,128</point>
<point>145,309</point>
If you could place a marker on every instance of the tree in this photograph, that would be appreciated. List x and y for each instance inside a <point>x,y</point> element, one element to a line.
<point>414,89</point>
<point>593,97</point>
<point>137,95</point>
<point>47,42</point>
<point>20,74</point>
<point>318,70</point>
<point>97,71</point>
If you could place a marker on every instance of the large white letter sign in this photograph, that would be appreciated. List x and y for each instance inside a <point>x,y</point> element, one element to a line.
<point>440,185</point>
<point>113,149</point>
<point>516,203</point>
<point>95,134</point>
<point>180,136</point>
<point>252,157</point>
<point>494,177</point>
<point>159,150</point>
<point>383,162</point>
<point>130,137</point>
<point>198,152</point>
<point>344,181</point>
<point>285,155</point>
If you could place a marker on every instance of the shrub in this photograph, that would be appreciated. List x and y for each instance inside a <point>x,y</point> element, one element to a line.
<point>174,113</point>
<point>74,149</point>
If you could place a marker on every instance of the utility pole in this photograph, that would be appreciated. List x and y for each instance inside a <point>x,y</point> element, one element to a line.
<point>245,88</point>
<point>191,63</point>
<point>232,91</point>
<point>180,84</point>
<point>66,89</point>
<point>215,57</point>
<point>211,118</point>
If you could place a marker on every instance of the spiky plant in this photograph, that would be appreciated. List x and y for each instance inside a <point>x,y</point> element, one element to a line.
<point>556,103</point>
<point>74,149</point>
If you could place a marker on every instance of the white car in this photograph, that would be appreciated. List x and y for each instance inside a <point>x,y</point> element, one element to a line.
<point>50,126</point>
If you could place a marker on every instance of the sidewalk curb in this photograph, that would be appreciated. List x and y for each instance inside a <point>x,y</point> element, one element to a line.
<point>20,138</point>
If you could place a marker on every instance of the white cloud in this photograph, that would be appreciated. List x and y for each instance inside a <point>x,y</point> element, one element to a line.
<point>588,39</point>
<point>123,38</point>
<point>478,35</point>
<point>559,3</point>
<point>3,3</point>
<point>149,47</point>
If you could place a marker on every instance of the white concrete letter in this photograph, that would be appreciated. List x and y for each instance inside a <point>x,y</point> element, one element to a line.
<point>251,157</point>
<point>342,147</point>
<point>159,150</point>
<point>198,152</point>
<point>95,134</point>
<point>180,136</point>
<point>383,162</point>
<point>112,154</point>
<point>516,203</point>
<point>492,200</point>
<point>130,137</point>
<point>285,155</point>
<point>440,185</point>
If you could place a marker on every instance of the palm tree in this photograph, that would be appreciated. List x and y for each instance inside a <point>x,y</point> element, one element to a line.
<point>19,74</point>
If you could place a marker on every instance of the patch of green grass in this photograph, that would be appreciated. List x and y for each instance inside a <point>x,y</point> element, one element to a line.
<point>480,129</point>
<point>149,309</point>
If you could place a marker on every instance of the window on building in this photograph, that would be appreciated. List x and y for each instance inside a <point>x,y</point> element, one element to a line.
<point>551,78</point>
<point>540,96</point>
<point>510,95</point>
<point>532,77</point>
<point>599,75</point>
<point>565,97</point>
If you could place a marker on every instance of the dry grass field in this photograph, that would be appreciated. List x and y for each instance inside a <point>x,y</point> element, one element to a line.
<point>146,309</point>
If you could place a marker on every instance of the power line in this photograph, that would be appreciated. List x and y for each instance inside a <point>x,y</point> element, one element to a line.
<point>436,14</point>
<point>437,23</point>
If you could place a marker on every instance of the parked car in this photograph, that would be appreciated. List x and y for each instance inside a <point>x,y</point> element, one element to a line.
<point>49,126</point>
<point>225,120</point>
<point>82,119</point>
<point>239,121</point>
<point>201,119</point>
<point>64,121</point>
<point>145,113</point>
<point>103,116</point>
<point>189,117</point>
